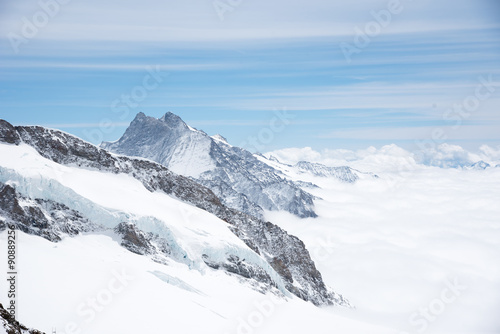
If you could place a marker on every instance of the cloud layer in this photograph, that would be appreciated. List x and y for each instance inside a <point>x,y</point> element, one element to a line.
<point>392,157</point>
<point>393,244</point>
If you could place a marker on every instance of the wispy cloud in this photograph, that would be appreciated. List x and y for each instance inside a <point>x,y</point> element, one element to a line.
<point>83,125</point>
<point>154,20</point>
<point>466,132</point>
<point>11,64</point>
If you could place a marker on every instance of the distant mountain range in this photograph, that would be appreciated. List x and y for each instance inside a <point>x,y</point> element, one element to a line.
<point>480,165</point>
<point>342,173</point>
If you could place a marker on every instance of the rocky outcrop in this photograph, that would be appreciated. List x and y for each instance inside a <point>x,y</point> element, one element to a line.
<point>287,255</point>
<point>8,133</point>
<point>45,218</point>
<point>235,265</point>
<point>12,326</point>
<point>143,243</point>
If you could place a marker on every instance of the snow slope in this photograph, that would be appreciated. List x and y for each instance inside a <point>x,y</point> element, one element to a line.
<point>109,199</point>
<point>93,285</point>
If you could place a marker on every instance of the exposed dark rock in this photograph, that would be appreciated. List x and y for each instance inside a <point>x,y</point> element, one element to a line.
<point>142,243</point>
<point>235,265</point>
<point>12,326</point>
<point>8,133</point>
<point>134,240</point>
<point>41,217</point>
<point>306,184</point>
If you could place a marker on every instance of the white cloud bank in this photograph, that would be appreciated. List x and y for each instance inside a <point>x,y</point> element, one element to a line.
<point>395,248</point>
<point>391,157</point>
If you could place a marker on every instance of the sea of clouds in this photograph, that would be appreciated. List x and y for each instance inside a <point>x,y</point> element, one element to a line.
<point>416,249</point>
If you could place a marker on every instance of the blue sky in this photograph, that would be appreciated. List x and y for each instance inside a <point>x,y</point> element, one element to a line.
<point>232,76</point>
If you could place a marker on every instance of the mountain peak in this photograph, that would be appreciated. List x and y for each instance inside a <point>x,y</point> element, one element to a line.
<point>169,120</point>
<point>479,165</point>
<point>140,115</point>
<point>140,118</point>
<point>172,119</point>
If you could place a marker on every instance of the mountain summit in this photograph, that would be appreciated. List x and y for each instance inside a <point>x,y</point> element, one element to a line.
<point>236,176</point>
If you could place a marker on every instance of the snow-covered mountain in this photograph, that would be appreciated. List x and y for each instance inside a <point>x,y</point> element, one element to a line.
<point>55,185</point>
<point>235,175</point>
<point>480,165</point>
<point>342,173</point>
<point>295,172</point>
